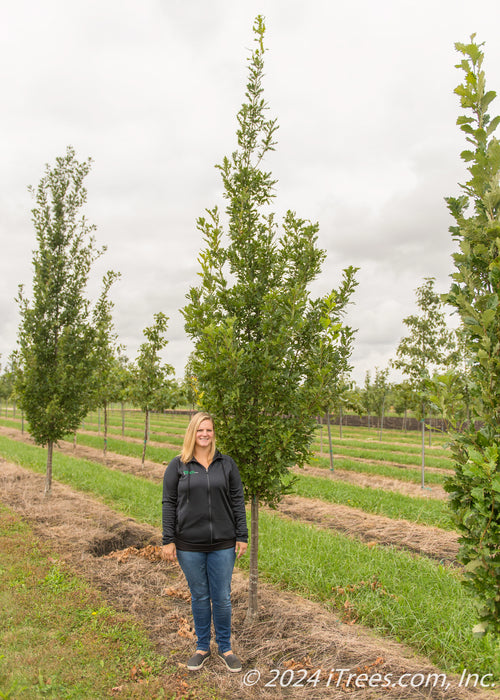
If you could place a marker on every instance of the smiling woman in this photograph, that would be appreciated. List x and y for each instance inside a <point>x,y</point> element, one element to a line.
<point>204,527</point>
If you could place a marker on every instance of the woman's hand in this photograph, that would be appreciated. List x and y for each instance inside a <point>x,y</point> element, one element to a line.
<point>169,552</point>
<point>240,548</point>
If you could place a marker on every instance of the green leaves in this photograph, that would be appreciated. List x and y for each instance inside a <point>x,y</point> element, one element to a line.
<point>425,348</point>
<point>267,356</point>
<point>475,488</point>
<point>150,384</point>
<point>56,335</point>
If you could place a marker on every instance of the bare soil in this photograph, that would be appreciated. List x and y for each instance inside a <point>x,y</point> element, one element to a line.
<point>292,633</point>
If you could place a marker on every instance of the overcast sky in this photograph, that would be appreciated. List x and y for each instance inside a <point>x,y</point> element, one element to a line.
<point>367,144</point>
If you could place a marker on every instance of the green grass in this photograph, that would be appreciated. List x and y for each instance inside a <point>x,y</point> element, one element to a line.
<point>393,505</point>
<point>373,453</point>
<point>128,449</point>
<point>59,638</point>
<point>406,473</point>
<point>386,450</point>
<point>405,596</point>
<point>156,433</point>
<point>136,433</point>
<point>415,601</point>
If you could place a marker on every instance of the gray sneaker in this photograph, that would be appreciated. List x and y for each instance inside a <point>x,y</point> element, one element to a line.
<point>197,660</point>
<point>232,662</point>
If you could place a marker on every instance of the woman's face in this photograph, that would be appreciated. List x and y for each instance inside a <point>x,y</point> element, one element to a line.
<point>205,434</point>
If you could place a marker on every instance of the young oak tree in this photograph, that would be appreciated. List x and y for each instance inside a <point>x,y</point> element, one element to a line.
<point>424,349</point>
<point>265,351</point>
<point>475,294</point>
<point>56,337</point>
<point>380,391</point>
<point>105,376</point>
<point>150,383</point>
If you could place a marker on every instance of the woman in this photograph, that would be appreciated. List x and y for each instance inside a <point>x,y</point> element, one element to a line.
<point>204,527</point>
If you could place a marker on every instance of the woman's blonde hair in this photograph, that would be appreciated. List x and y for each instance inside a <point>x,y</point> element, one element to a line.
<point>187,453</point>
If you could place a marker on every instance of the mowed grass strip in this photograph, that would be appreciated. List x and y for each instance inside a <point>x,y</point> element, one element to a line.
<point>409,597</point>
<point>398,506</point>
<point>394,435</point>
<point>59,638</point>
<point>406,473</point>
<point>138,433</point>
<point>385,452</point>
<point>384,455</point>
<point>126,448</point>
<point>409,447</point>
<point>135,419</point>
<point>378,501</point>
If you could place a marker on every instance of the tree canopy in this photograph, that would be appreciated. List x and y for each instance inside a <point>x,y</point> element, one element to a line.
<point>475,294</point>
<point>265,352</point>
<point>56,336</point>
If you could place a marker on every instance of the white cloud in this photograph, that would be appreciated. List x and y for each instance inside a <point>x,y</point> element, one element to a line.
<point>367,144</point>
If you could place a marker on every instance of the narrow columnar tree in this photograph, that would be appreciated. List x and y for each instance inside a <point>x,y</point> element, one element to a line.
<point>8,382</point>
<point>123,377</point>
<point>56,337</point>
<point>403,398</point>
<point>150,377</point>
<point>265,351</point>
<point>367,397</point>
<point>475,294</point>
<point>105,379</point>
<point>380,391</point>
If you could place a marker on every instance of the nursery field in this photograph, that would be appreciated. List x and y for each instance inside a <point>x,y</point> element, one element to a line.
<point>357,565</point>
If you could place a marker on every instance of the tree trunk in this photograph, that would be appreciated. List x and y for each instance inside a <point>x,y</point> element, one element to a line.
<point>340,422</point>
<point>146,430</point>
<point>382,421</point>
<point>48,471</point>
<point>22,422</point>
<point>330,446</point>
<point>423,446</point>
<point>105,447</point>
<point>123,419</point>
<point>253,578</point>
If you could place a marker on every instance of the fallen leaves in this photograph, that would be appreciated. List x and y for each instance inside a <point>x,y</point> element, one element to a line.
<point>177,593</point>
<point>150,552</point>
<point>184,629</point>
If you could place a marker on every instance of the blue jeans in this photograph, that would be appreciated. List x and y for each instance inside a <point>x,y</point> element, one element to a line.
<point>209,579</point>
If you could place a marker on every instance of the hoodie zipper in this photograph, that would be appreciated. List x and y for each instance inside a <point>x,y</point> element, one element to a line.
<point>209,508</point>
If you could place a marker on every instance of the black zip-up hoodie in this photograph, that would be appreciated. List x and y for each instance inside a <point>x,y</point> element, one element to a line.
<point>203,507</point>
